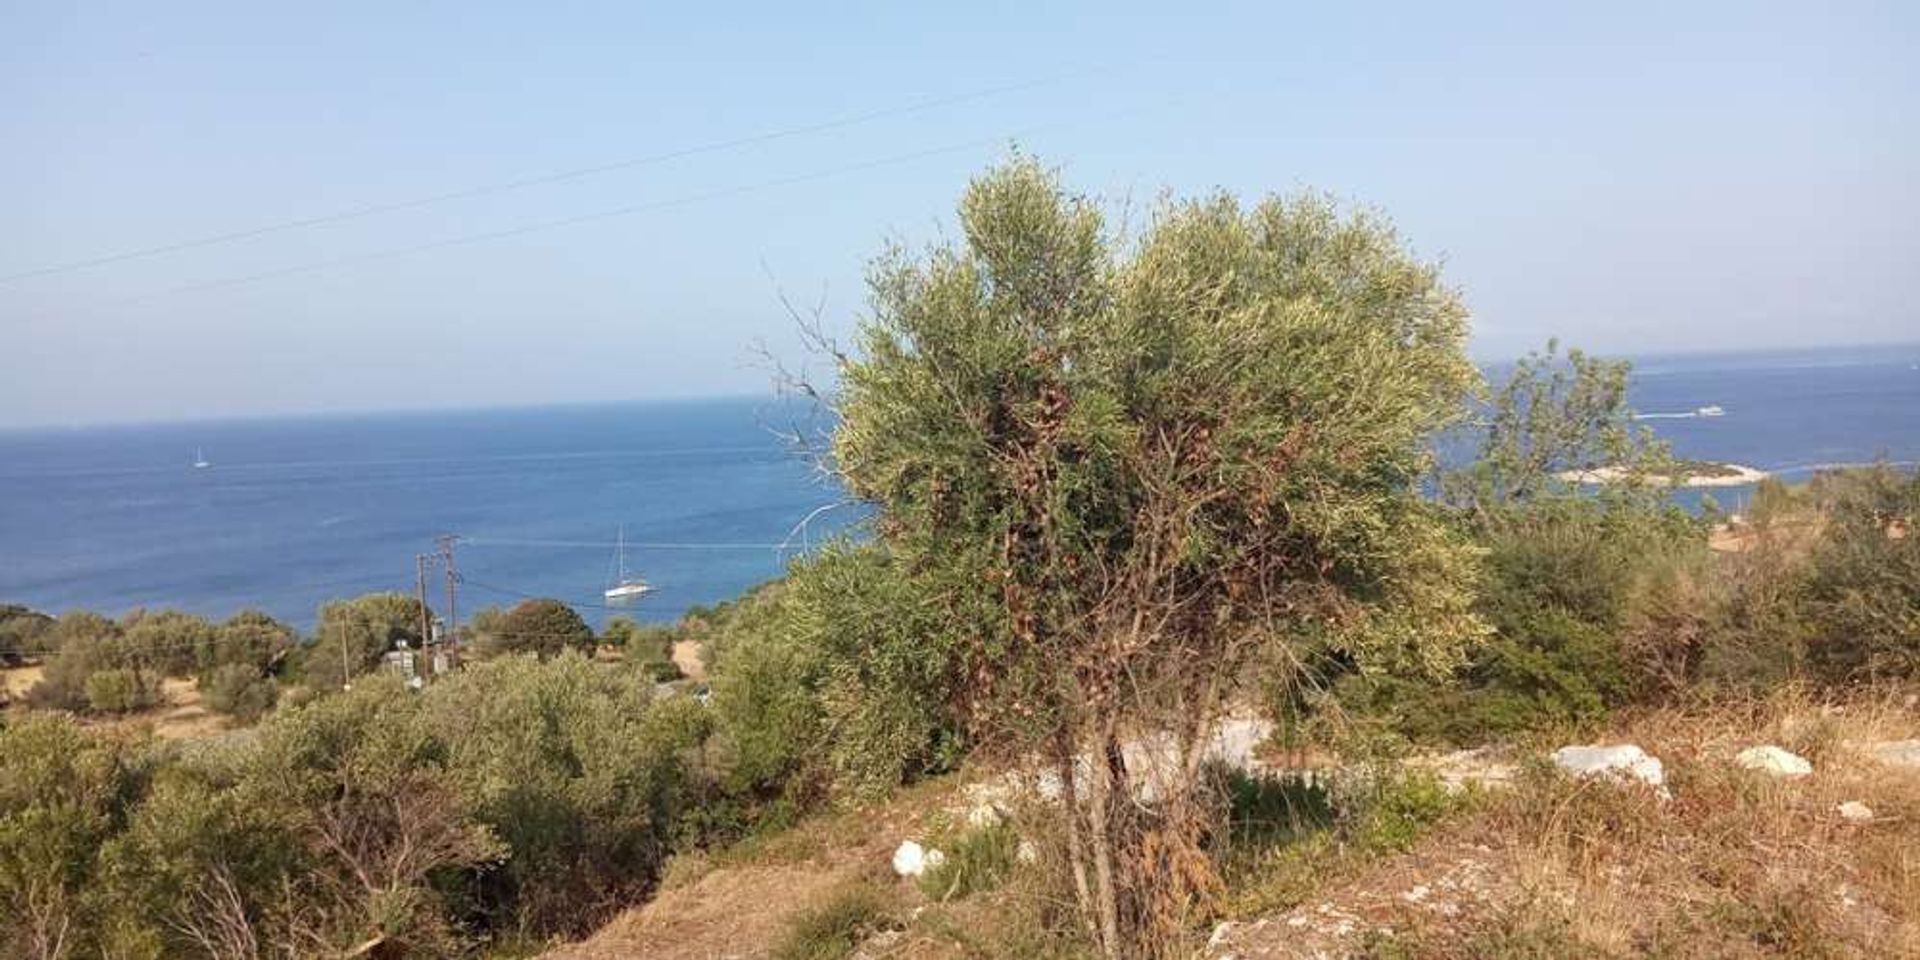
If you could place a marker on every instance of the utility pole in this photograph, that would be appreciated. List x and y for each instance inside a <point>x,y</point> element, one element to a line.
<point>445,542</point>
<point>426,617</point>
<point>346,665</point>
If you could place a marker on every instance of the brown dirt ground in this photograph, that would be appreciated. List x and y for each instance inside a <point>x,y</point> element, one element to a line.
<point>686,654</point>
<point>1735,865</point>
<point>738,905</point>
<point>15,681</point>
<point>180,716</point>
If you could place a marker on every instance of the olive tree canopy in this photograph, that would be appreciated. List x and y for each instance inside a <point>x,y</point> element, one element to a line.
<point>1141,467</point>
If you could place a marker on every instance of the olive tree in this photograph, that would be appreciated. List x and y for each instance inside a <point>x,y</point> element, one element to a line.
<point>543,627</point>
<point>1137,470</point>
<point>352,635</point>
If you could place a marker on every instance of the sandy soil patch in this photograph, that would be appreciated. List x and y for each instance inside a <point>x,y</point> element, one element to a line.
<point>16,681</point>
<point>740,906</point>
<point>686,656</point>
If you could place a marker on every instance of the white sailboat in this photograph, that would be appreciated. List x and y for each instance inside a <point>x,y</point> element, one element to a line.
<point>200,461</point>
<point>625,586</point>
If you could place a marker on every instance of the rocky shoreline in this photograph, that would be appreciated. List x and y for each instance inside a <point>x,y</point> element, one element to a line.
<point>1736,475</point>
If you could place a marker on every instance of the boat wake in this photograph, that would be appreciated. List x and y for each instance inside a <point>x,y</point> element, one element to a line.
<point>1706,411</point>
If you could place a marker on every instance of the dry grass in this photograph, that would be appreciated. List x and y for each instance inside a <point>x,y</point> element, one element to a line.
<point>1736,864</point>
<point>179,716</point>
<point>16,681</point>
<point>747,901</point>
<point>686,656</point>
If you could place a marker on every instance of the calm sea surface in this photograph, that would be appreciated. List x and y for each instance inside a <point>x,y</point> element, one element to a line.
<point>295,511</point>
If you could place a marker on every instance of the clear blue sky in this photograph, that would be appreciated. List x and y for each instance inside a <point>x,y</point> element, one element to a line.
<point>1633,178</point>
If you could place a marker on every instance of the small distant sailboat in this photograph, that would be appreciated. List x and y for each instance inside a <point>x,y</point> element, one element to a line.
<point>200,461</point>
<point>625,586</point>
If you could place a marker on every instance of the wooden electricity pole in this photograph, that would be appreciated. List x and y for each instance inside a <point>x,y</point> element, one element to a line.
<point>445,542</point>
<point>427,646</point>
<point>420,593</point>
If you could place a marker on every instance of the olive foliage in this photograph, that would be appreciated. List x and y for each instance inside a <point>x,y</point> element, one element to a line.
<point>1142,466</point>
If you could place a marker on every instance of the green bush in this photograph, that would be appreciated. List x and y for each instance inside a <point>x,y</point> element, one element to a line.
<point>351,636</point>
<point>63,793</point>
<point>1860,598</point>
<point>121,690</point>
<point>250,637</point>
<point>579,774</point>
<point>1567,580</point>
<point>836,679</point>
<point>23,633</point>
<point>83,643</point>
<point>518,800</point>
<point>976,860</point>
<point>835,928</point>
<point>168,641</point>
<point>240,691</point>
<point>541,627</point>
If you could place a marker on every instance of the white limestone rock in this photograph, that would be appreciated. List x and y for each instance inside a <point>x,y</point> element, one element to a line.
<point>1774,761</point>
<point>1220,933</point>
<point>1623,761</point>
<point>1896,753</point>
<point>911,859</point>
<point>1853,811</point>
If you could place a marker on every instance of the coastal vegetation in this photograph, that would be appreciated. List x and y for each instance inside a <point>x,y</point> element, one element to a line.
<point>1129,491</point>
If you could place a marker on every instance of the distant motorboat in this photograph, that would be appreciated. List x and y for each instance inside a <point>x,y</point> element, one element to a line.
<point>625,587</point>
<point>1710,411</point>
<point>200,461</point>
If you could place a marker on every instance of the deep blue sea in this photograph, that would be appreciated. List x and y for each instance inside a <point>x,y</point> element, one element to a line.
<point>299,510</point>
<point>295,511</point>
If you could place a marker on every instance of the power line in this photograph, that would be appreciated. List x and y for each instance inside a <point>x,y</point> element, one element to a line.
<point>505,186</point>
<point>607,544</point>
<point>629,210</point>
<point>541,225</point>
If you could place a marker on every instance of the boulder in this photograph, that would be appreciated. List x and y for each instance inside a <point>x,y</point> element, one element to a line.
<point>1623,761</point>
<point>911,859</point>
<point>1774,761</point>
<point>986,804</point>
<point>1027,852</point>
<point>1457,771</point>
<point>1896,753</point>
<point>1854,811</point>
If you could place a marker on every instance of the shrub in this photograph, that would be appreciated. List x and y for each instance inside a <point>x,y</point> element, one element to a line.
<point>768,721</point>
<point>977,860</point>
<point>23,633</point>
<point>387,841</point>
<point>82,643</point>
<point>842,646</point>
<point>352,635</point>
<point>837,926</point>
<point>1861,595</point>
<point>79,625</point>
<point>250,637</point>
<point>240,691</point>
<point>63,793</point>
<point>542,627</point>
<point>170,642</point>
<point>204,868</point>
<point>121,690</point>
<point>577,772</point>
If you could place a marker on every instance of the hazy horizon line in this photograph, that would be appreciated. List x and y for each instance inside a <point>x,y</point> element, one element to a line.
<point>1480,359</point>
